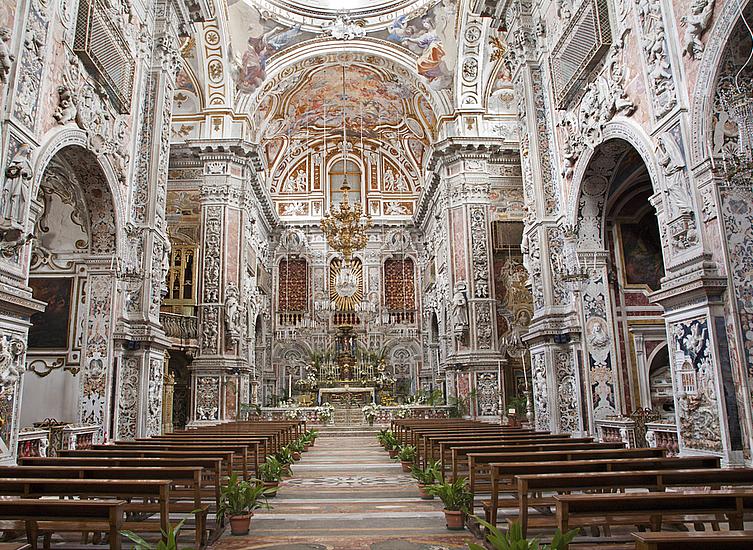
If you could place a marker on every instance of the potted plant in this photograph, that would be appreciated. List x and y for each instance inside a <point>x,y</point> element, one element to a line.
<point>514,539</point>
<point>457,500</point>
<point>370,412</point>
<point>169,540</point>
<point>270,474</point>
<point>285,457</point>
<point>390,443</point>
<point>296,448</point>
<point>406,455</point>
<point>425,477</point>
<point>238,500</point>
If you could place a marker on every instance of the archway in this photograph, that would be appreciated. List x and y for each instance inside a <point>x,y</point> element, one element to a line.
<point>620,250</point>
<point>72,269</point>
<point>178,369</point>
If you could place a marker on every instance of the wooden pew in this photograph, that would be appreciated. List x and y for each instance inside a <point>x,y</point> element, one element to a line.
<point>52,514</point>
<point>727,540</point>
<point>446,445</point>
<point>503,474</point>
<point>472,455</point>
<point>241,460</point>
<point>652,508</point>
<point>185,494</point>
<point>156,490</point>
<point>652,480</point>
<point>225,456</point>
<point>211,468</point>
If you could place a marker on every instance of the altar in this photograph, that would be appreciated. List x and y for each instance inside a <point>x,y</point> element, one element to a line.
<point>347,396</point>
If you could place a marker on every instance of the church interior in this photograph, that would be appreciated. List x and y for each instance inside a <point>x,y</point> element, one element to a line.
<point>405,274</point>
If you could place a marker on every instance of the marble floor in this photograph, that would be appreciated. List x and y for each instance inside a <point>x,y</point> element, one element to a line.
<point>346,494</point>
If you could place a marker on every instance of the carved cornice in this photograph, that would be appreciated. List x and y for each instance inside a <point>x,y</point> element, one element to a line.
<point>244,153</point>
<point>449,150</point>
<point>697,288</point>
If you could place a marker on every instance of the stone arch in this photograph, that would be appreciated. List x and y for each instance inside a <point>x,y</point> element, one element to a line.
<point>702,100</point>
<point>75,142</point>
<point>66,160</point>
<point>623,129</point>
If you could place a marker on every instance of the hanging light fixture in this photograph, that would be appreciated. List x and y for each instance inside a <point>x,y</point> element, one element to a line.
<point>346,226</point>
<point>737,101</point>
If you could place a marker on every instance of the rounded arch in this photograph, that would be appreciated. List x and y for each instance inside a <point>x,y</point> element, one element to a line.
<point>281,68</point>
<point>73,145</point>
<point>702,102</point>
<point>622,129</point>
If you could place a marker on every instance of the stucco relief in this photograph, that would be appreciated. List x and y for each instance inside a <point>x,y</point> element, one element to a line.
<point>128,398</point>
<point>567,388</point>
<point>695,386</point>
<point>540,391</point>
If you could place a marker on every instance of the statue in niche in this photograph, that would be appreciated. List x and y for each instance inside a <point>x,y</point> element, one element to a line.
<point>233,314</point>
<point>673,166</point>
<point>6,58</point>
<point>460,310</point>
<point>15,191</point>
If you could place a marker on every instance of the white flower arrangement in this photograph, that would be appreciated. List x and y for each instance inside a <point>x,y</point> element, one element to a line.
<point>324,412</point>
<point>401,411</point>
<point>370,411</point>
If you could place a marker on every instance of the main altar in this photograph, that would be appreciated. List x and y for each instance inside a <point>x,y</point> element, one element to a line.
<point>346,376</point>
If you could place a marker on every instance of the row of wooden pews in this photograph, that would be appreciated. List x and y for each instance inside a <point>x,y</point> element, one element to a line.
<point>545,481</point>
<point>144,486</point>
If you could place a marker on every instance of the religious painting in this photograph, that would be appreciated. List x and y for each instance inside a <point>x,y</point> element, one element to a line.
<point>432,38</point>
<point>642,253</point>
<point>256,37</point>
<point>49,329</point>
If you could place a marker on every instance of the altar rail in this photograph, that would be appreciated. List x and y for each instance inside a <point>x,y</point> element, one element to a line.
<point>662,434</point>
<point>384,415</point>
<point>49,441</point>
<point>617,430</point>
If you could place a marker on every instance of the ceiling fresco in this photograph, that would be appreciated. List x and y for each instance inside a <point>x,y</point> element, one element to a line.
<point>258,34</point>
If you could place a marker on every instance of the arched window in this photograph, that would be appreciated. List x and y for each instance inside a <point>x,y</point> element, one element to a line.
<point>337,173</point>
<point>292,295</point>
<point>399,290</point>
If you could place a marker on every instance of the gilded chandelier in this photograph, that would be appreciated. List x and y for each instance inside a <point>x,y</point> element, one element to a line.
<point>345,226</point>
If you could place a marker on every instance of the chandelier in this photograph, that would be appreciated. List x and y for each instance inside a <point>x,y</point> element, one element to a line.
<point>346,226</point>
<point>736,98</point>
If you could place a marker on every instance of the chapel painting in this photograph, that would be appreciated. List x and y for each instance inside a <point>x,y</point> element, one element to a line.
<point>642,254</point>
<point>49,329</point>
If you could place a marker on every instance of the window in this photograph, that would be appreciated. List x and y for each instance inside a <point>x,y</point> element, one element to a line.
<point>337,173</point>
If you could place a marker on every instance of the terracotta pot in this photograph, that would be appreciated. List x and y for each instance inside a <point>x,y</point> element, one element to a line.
<point>306,448</point>
<point>286,471</point>
<point>393,453</point>
<point>407,466</point>
<point>454,519</point>
<point>423,493</point>
<point>271,485</point>
<point>296,455</point>
<point>239,524</point>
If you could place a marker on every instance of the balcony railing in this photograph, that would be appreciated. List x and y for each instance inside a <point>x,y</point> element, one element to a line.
<point>182,327</point>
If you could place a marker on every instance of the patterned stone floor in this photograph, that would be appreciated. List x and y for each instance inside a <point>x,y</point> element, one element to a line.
<point>347,495</point>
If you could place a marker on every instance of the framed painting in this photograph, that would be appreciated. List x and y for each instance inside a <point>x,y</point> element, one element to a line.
<point>49,329</point>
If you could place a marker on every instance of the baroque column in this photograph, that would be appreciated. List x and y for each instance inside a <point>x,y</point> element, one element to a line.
<point>463,170</point>
<point>221,372</point>
<point>140,335</point>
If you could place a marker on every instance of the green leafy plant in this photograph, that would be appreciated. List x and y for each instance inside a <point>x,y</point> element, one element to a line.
<point>169,539</point>
<point>460,407</point>
<point>428,475</point>
<point>271,470</point>
<point>239,497</point>
<point>407,453</point>
<point>388,439</point>
<point>454,495</point>
<point>284,456</point>
<point>297,445</point>
<point>310,436</point>
<point>514,539</point>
